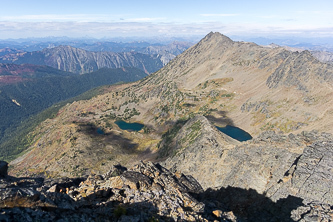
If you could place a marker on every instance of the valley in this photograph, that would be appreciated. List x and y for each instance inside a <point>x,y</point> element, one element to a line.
<point>281,98</point>
<point>227,94</point>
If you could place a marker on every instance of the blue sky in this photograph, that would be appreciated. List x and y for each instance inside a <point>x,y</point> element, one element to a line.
<point>108,18</point>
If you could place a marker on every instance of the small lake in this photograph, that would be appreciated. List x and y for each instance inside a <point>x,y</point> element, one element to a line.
<point>129,126</point>
<point>100,131</point>
<point>235,132</point>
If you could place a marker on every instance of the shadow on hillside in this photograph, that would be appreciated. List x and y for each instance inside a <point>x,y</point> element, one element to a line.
<point>118,140</point>
<point>249,205</point>
<point>90,129</point>
<point>112,138</point>
<point>220,119</point>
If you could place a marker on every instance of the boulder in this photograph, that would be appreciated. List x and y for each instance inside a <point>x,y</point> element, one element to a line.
<point>196,150</point>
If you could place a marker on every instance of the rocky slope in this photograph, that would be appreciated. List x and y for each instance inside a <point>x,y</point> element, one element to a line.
<point>272,164</point>
<point>164,52</point>
<point>291,170</point>
<point>80,61</point>
<point>146,192</point>
<point>234,83</point>
<point>323,56</point>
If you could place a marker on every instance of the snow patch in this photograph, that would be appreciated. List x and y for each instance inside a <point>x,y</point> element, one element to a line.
<point>14,101</point>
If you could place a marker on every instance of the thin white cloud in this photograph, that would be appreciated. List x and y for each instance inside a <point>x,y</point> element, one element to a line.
<point>219,15</point>
<point>314,12</point>
<point>78,18</point>
<point>61,18</point>
<point>266,16</point>
<point>125,28</point>
<point>144,19</point>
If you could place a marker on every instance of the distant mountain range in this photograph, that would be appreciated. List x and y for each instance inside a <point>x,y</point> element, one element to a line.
<point>80,61</point>
<point>91,57</point>
<point>7,50</point>
<point>33,81</point>
<point>319,53</point>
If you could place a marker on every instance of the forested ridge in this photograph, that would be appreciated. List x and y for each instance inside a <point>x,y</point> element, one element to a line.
<point>23,100</point>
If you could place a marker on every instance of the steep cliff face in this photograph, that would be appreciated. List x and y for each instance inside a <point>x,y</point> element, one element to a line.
<point>80,61</point>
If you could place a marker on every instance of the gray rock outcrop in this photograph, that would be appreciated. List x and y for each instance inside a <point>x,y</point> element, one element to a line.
<point>196,149</point>
<point>309,177</point>
<point>294,171</point>
<point>146,192</point>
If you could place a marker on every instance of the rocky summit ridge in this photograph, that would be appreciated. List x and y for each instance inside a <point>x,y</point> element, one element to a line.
<point>145,192</point>
<point>283,174</point>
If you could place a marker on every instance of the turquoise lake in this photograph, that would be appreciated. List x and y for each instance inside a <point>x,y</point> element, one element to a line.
<point>129,126</point>
<point>235,132</point>
<point>231,131</point>
<point>100,131</point>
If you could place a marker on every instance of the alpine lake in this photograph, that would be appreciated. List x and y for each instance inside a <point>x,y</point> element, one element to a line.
<point>232,131</point>
<point>235,133</point>
<point>129,126</point>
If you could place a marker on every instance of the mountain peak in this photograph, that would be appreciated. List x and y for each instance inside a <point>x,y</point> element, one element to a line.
<point>216,36</point>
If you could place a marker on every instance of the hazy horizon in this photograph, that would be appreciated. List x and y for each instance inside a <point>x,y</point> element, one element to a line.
<point>182,19</point>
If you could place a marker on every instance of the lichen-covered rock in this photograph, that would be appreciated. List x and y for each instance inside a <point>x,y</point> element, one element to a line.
<point>142,193</point>
<point>310,177</point>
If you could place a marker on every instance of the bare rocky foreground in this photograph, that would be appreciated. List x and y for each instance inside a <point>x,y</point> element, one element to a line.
<point>260,180</point>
